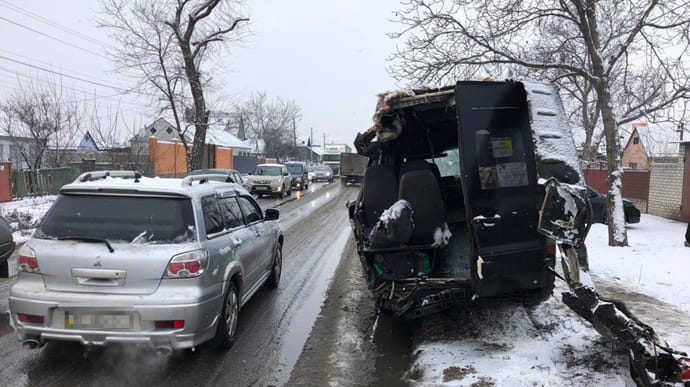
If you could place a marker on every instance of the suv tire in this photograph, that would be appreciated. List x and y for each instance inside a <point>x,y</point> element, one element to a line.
<point>227,326</point>
<point>282,193</point>
<point>277,270</point>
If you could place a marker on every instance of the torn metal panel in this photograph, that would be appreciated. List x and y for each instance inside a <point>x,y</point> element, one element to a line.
<point>565,213</point>
<point>564,218</point>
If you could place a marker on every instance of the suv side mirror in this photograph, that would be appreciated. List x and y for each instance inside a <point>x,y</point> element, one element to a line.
<point>272,214</point>
<point>286,173</point>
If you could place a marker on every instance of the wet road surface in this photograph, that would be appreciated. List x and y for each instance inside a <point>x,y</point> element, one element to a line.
<point>273,326</point>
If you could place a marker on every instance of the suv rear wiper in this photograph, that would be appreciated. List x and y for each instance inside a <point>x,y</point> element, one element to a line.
<point>88,239</point>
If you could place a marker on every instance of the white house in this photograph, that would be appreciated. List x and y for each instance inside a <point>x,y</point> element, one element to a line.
<point>216,134</point>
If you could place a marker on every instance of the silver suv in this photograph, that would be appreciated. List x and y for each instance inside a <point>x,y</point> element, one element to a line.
<point>161,262</point>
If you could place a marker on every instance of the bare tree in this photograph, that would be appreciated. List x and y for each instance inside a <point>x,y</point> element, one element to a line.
<point>44,120</point>
<point>629,52</point>
<point>270,123</point>
<point>167,43</point>
<point>115,138</point>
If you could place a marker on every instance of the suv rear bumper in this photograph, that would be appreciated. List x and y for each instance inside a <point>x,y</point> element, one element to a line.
<point>199,311</point>
<point>264,189</point>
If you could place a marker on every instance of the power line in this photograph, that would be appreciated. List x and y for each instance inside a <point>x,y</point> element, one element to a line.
<point>61,68</point>
<point>52,37</point>
<point>52,23</point>
<point>61,74</point>
<point>77,91</point>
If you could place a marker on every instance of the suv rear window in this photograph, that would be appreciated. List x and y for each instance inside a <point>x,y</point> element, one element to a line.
<point>295,168</point>
<point>120,218</point>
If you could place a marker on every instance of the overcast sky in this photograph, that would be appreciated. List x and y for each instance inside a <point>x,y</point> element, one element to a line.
<point>329,56</point>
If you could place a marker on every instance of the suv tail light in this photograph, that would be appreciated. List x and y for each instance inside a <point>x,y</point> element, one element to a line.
<point>30,318</point>
<point>169,324</point>
<point>187,265</point>
<point>27,260</point>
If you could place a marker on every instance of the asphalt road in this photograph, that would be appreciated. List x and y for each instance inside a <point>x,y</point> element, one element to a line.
<point>272,329</point>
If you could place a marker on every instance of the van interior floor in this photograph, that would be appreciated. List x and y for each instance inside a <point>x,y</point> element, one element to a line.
<point>453,261</point>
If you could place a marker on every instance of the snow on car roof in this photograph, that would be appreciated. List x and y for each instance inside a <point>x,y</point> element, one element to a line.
<point>149,184</point>
<point>270,165</point>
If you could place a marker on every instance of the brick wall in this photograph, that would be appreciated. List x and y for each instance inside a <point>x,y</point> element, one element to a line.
<point>666,187</point>
<point>224,158</point>
<point>168,159</point>
<point>635,184</point>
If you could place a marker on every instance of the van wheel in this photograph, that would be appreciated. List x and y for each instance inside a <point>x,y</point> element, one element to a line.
<point>282,193</point>
<point>274,279</point>
<point>227,326</point>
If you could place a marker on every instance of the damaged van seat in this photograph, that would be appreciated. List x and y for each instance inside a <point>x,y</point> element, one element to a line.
<point>379,192</point>
<point>420,165</point>
<point>420,187</point>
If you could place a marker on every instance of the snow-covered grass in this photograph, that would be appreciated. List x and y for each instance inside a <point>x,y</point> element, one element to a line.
<point>655,263</point>
<point>24,215</point>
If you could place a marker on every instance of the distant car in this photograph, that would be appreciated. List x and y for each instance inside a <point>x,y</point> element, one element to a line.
<point>598,202</point>
<point>231,173</point>
<point>310,173</point>
<point>299,173</point>
<point>165,263</point>
<point>269,179</point>
<point>6,246</point>
<point>323,173</point>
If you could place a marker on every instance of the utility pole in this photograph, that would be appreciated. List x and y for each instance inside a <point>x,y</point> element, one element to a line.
<point>682,129</point>
<point>311,145</point>
<point>294,132</point>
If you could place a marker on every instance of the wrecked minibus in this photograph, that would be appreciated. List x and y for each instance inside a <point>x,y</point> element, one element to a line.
<point>469,191</point>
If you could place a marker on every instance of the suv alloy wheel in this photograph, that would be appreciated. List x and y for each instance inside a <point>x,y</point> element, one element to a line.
<point>227,326</point>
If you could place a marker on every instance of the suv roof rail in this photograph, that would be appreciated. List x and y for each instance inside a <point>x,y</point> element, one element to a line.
<point>96,175</point>
<point>187,181</point>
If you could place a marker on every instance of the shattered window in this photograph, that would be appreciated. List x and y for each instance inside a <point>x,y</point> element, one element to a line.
<point>449,164</point>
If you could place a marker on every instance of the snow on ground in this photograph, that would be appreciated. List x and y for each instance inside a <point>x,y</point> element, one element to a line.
<point>549,345</point>
<point>655,263</point>
<point>515,346</point>
<point>24,215</point>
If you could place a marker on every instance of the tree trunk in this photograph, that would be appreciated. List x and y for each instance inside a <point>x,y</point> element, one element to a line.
<point>201,116</point>
<point>615,214</point>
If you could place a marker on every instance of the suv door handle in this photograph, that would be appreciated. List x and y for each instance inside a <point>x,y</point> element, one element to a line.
<point>236,241</point>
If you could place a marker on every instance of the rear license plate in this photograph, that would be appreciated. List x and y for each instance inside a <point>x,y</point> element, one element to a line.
<point>87,320</point>
<point>261,188</point>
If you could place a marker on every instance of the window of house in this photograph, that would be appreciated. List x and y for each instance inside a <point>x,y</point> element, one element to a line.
<point>633,165</point>
<point>636,140</point>
<point>168,130</point>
